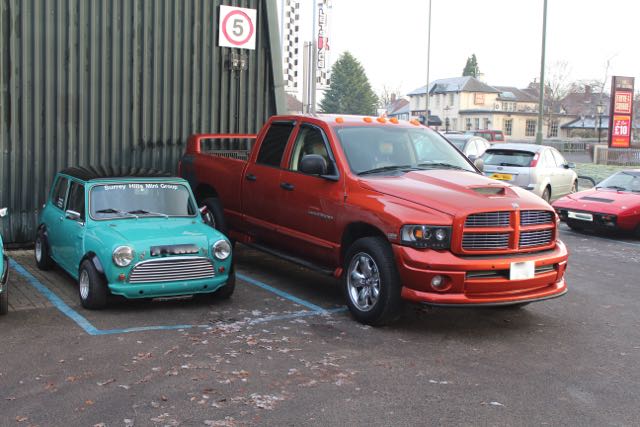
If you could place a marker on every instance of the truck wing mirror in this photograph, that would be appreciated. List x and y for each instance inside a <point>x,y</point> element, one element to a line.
<point>313,164</point>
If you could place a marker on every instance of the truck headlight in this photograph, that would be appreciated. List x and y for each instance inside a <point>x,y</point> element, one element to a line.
<point>221,249</point>
<point>122,256</point>
<point>426,236</point>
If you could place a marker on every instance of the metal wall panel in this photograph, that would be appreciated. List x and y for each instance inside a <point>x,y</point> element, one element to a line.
<point>119,82</point>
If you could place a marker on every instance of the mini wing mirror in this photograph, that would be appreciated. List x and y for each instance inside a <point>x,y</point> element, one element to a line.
<point>479,163</point>
<point>203,209</point>
<point>473,157</point>
<point>313,164</point>
<point>72,215</point>
<point>3,212</point>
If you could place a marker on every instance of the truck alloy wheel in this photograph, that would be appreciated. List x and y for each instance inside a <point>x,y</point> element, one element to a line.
<point>371,282</point>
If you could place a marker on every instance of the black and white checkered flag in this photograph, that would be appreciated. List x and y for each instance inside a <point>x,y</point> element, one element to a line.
<point>290,55</point>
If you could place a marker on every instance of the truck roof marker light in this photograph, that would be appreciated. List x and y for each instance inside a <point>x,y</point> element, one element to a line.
<point>381,120</point>
<point>393,120</point>
<point>339,120</point>
<point>414,122</point>
<point>367,119</point>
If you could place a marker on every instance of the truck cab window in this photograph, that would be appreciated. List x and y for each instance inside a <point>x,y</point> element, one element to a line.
<point>275,141</point>
<point>309,141</point>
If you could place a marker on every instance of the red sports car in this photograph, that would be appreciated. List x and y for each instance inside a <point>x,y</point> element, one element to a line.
<point>613,204</point>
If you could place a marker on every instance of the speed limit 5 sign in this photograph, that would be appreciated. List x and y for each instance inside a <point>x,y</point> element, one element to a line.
<point>237,27</point>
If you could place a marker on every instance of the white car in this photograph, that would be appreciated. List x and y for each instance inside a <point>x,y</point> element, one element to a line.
<point>538,168</point>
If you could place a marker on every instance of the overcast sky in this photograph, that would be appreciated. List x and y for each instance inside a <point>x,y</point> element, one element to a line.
<point>389,38</point>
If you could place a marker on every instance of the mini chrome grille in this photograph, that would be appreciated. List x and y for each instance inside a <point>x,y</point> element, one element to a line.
<point>535,217</point>
<point>172,269</point>
<point>488,219</point>
<point>481,241</point>
<point>535,238</point>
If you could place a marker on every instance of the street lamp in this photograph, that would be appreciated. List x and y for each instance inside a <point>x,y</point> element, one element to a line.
<point>446,119</point>
<point>599,111</point>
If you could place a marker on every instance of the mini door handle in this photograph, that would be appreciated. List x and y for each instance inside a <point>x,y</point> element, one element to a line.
<point>250,177</point>
<point>287,186</point>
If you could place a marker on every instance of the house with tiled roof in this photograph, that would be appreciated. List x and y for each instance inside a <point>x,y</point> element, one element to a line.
<point>466,103</point>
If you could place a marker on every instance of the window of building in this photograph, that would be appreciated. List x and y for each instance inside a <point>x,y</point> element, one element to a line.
<point>486,123</point>
<point>274,144</point>
<point>450,99</point>
<point>553,128</point>
<point>454,124</point>
<point>530,130</point>
<point>437,101</point>
<point>468,125</point>
<point>476,123</point>
<point>507,126</point>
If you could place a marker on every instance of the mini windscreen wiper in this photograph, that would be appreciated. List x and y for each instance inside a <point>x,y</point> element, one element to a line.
<point>387,168</point>
<point>115,211</point>
<point>144,212</point>
<point>438,165</point>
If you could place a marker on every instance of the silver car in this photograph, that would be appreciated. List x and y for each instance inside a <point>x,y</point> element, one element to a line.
<point>470,145</point>
<point>538,168</point>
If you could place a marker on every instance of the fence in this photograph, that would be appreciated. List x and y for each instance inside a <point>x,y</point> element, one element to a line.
<point>616,156</point>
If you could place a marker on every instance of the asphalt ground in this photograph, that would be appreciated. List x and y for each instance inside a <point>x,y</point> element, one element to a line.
<point>284,352</point>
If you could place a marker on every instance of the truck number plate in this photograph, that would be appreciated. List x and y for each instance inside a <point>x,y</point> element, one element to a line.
<point>580,215</point>
<point>522,270</point>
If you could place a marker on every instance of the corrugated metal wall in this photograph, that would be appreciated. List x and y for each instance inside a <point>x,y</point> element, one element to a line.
<point>119,82</point>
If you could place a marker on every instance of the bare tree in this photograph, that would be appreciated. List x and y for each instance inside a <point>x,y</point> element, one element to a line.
<point>556,88</point>
<point>387,95</point>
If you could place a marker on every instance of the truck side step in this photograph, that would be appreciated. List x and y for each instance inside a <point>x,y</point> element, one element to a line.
<point>291,258</point>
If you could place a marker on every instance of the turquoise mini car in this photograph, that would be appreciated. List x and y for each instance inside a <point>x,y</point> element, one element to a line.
<point>4,274</point>
<point>134,233</point>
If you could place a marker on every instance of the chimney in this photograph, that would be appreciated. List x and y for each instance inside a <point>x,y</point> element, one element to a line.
<point>393,97</point>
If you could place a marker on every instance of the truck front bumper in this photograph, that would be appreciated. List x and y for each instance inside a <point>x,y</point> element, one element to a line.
<point>479,280</point>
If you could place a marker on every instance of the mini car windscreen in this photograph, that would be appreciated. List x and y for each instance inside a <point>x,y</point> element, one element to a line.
<point>622,181</point>
<point>393,150</point>
<point>131,200</point>
<point>512,158</point>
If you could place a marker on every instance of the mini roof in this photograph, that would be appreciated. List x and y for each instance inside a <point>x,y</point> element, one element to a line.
<point>89,173</point>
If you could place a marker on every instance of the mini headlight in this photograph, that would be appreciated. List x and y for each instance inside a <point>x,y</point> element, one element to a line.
<point>122,256</point>
<point>426,236</point>
<point>221,249</point>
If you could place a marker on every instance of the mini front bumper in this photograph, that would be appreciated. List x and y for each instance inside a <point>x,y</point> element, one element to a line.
<point>479,280</point>
<point>168,289</point>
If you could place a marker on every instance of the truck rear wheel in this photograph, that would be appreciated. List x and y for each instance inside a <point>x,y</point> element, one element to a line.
<point>371,282</point>
<point>215,214</point>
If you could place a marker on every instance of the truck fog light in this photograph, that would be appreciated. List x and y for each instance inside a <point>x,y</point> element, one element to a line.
<point>438,282</point>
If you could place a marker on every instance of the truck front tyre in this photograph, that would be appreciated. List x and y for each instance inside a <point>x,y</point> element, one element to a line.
<point>371,282</point>
<point>215,214</point>
<point>92,287</point>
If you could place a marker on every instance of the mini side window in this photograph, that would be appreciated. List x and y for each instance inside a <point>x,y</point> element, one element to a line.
<point>76,199</point>
<point>274,144</point>
<point>59,195</point>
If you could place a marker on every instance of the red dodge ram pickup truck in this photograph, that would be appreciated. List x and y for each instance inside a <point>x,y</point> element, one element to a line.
<point>388,206</point>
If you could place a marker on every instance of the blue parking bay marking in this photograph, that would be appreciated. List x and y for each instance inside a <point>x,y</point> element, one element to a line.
<point>81,321</point>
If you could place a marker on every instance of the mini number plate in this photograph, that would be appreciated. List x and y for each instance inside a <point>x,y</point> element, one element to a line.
<point>522,270</point>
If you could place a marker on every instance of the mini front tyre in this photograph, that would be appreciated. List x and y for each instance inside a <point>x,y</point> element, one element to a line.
<point>4,300</point>
<point>225,292</point>
<point>92,288</point>
<point>41,252</point>
<point>371,282</point>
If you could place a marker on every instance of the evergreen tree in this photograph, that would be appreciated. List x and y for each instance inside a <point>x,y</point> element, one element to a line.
<point>349,91</point>
<point>471,68</point>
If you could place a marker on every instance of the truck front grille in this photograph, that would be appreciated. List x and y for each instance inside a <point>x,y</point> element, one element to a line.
<point>172,269</point>
<point>507,231</point>
<point>480,241</point>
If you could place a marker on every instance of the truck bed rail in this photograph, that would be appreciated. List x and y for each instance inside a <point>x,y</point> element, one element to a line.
<point>236,146</point>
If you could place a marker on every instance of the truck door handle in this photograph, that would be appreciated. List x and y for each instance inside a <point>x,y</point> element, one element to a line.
<point>250,177</point>
<point>287,186</point>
